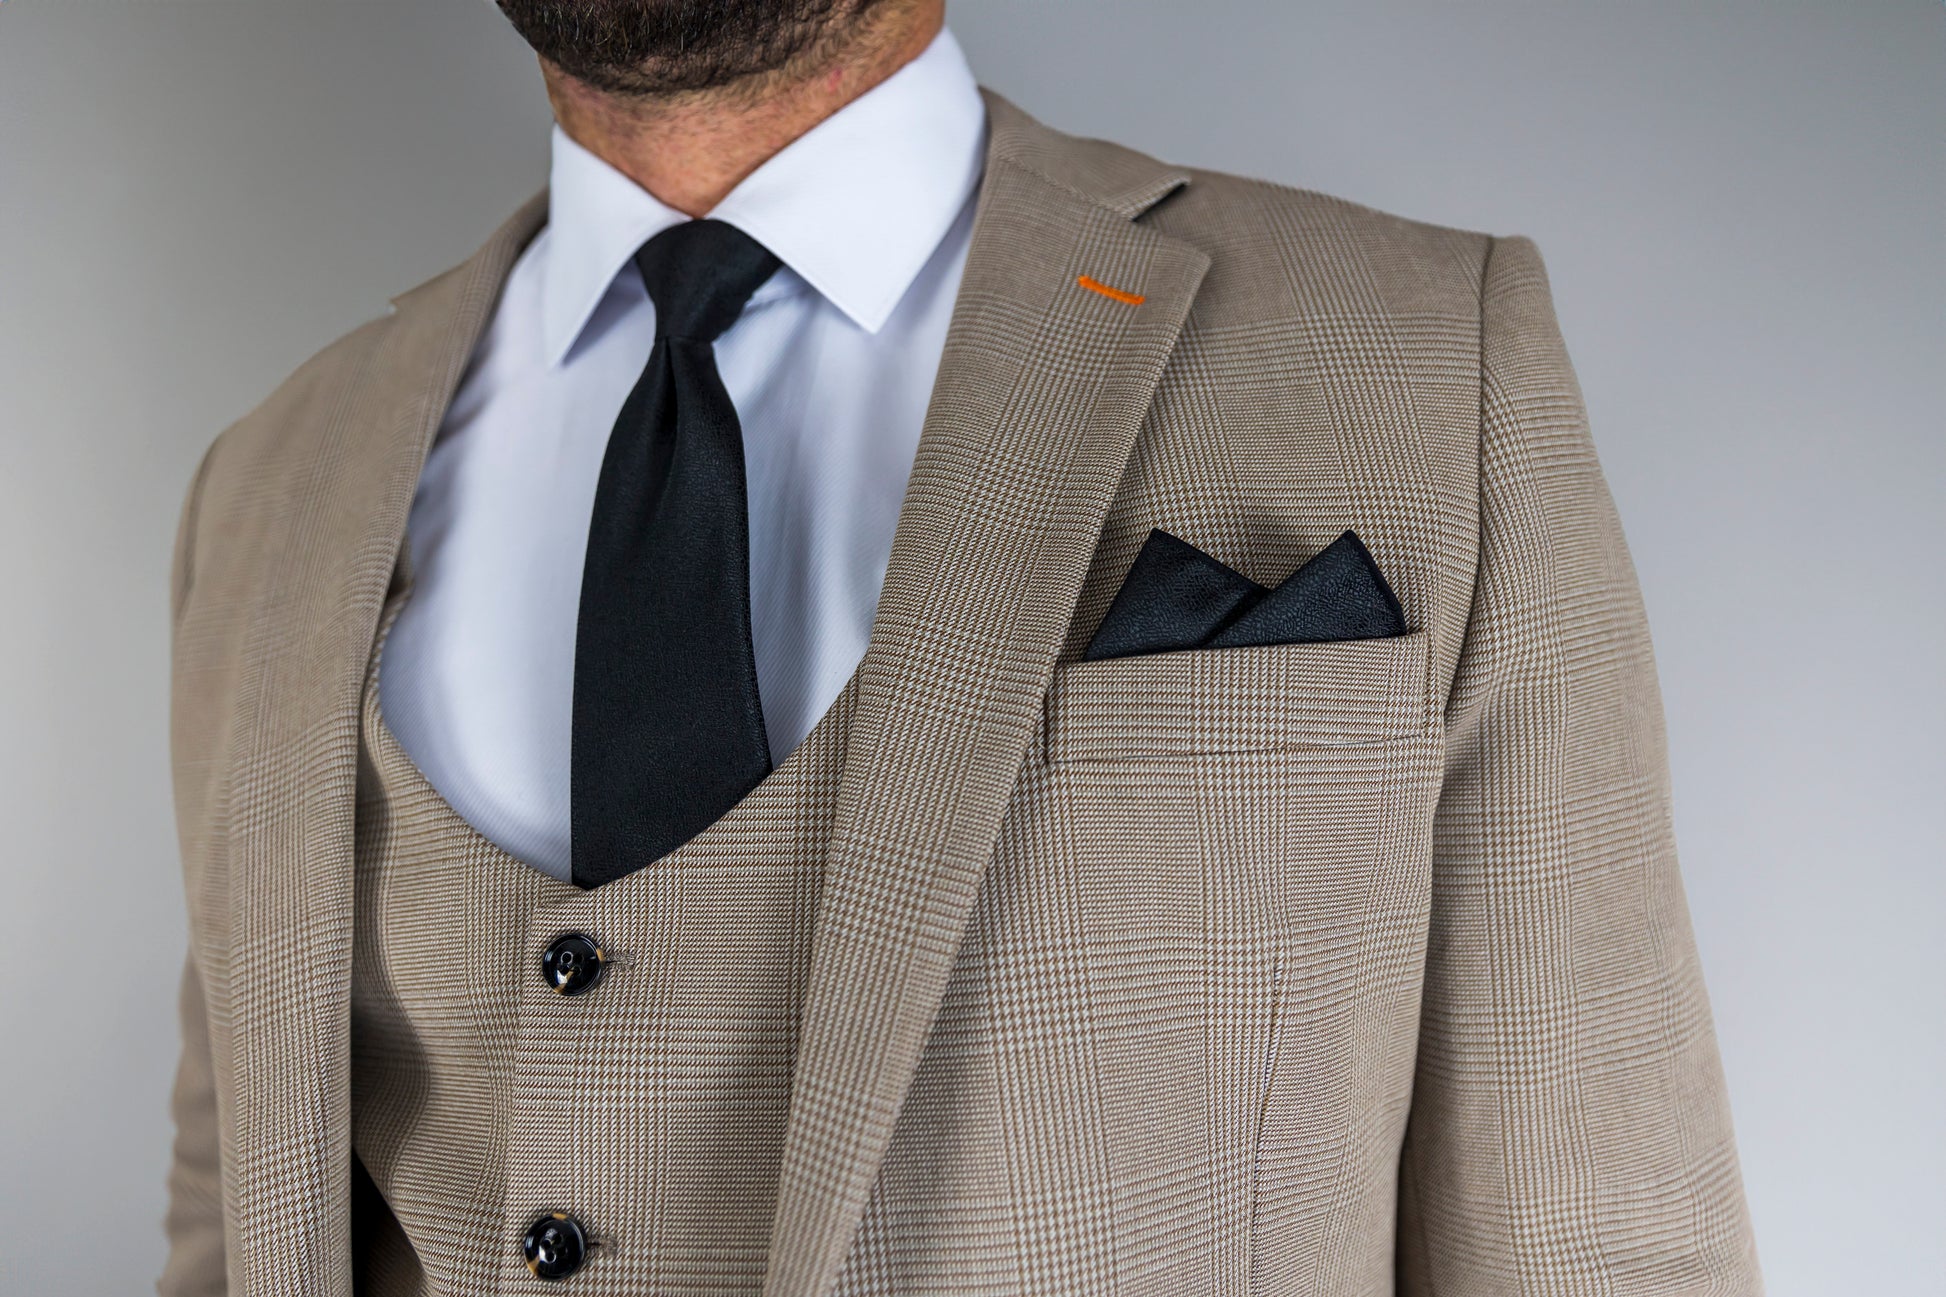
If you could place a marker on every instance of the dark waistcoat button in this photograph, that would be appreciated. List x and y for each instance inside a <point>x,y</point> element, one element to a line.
<point>573,962</point>
<point>555,1246</point>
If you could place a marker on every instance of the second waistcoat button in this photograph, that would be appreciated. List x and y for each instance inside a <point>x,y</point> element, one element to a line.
<point>554,1246</point>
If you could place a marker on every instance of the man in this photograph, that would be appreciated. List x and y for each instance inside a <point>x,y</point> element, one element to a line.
<point>874,698</point>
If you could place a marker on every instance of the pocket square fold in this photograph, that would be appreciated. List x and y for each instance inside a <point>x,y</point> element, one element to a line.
<point>1177,597</point>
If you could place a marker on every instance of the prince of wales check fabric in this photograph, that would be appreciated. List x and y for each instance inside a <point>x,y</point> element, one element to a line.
<point>1346,968</point>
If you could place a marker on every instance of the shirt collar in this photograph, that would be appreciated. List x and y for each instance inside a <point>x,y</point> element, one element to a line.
<point>855,206</point>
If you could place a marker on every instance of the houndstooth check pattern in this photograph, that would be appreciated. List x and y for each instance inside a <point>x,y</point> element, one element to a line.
<point>1337,969</point>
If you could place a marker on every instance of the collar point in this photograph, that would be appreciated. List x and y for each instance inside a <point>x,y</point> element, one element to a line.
<point>870,322</point>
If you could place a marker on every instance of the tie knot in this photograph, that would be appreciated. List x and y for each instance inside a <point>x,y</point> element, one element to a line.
<point>699,275</point>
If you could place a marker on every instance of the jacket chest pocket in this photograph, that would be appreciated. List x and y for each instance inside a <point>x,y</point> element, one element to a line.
<point>1267,783</point>
<point>1201,702</point>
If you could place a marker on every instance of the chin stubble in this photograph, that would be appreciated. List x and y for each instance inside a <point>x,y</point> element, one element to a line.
<point>668,47</point>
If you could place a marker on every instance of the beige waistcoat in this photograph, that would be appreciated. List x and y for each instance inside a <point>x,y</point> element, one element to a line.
<point>651,1107</point>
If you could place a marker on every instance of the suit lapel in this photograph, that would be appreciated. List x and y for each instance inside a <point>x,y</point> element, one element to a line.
<point>1041,390</point>
<point>290,838</point>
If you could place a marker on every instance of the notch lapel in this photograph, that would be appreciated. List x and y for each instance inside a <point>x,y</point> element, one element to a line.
<point>1042,388</point>
<point>346,485</point>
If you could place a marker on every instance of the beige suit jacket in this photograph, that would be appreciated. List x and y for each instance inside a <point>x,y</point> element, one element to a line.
<point>1322,968</point>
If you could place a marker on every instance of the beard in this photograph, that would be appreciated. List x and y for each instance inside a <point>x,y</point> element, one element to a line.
<point>663,47</point>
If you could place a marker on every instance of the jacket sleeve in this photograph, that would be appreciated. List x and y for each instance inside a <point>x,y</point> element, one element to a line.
<point>196,1265</point>
<point>1569,1130</point>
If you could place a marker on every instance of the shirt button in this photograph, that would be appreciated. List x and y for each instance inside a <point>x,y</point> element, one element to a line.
<point>573,963</point>
<point>555,1246</point>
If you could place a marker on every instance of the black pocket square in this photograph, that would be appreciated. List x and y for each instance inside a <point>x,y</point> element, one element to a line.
<point>1177,597</point>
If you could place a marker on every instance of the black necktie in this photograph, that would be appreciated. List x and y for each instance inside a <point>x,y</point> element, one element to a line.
<point>668,729</point>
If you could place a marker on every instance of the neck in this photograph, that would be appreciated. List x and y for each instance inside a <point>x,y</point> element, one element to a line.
<point>692,149</point>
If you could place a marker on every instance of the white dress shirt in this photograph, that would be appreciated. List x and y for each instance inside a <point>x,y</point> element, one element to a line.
<point>830,366</point>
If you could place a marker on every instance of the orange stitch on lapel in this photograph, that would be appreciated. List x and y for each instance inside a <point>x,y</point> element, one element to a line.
<point>1094,285</point>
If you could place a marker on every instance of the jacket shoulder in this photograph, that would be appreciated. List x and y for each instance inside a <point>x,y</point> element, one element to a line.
<point>1276,250</point>
<point>289,417</point>
<point>390,357</point>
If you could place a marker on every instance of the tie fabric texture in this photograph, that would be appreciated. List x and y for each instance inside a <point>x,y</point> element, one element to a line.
<point>668,727</point>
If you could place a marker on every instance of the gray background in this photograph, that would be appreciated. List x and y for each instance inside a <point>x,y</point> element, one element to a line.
<point>1741,207</point>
